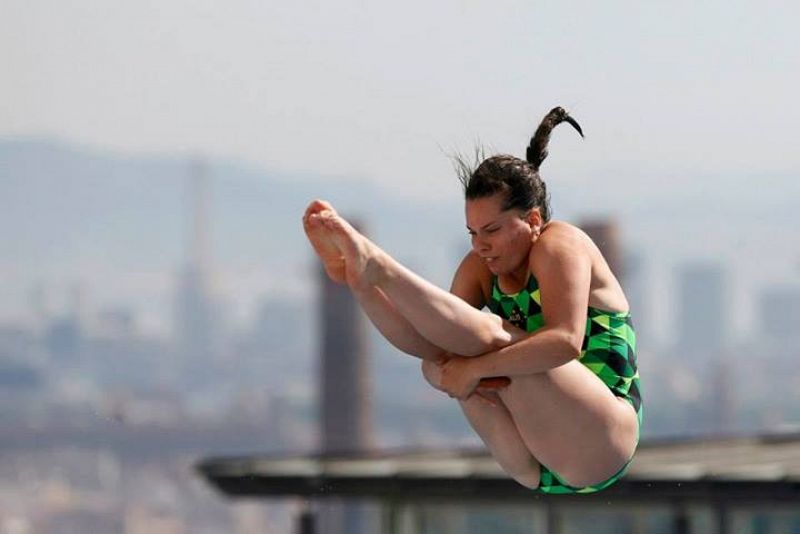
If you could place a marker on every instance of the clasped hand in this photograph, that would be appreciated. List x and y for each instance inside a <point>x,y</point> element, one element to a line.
<point>458,377</point>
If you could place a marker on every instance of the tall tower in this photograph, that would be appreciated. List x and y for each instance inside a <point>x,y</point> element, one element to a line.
<point>199,252</point>
<point>345,399</point>
<point>629,270</point>
<point>345,393</point>
<point>196,324</point>
<point>722,398</point>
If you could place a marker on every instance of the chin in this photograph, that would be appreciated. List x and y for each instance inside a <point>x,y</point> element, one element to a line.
<point>497,269</point>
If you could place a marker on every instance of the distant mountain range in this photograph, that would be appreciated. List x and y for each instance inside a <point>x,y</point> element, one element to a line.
<point>61,201</point>
<point>81,212</point>
<point>72,213</point>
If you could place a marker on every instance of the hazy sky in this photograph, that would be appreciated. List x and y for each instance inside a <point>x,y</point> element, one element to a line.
<point>668,93</point>
<point>374,89</point>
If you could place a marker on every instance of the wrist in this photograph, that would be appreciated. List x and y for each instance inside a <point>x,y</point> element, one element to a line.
<point>477,368</point>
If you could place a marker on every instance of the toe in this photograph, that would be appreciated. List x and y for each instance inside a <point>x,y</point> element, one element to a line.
<point>317,205</point>
<point>315,220</point>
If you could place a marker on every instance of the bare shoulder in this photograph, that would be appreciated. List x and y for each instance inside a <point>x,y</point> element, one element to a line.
<point>472,281</point>
<point>563,228</point>
<point>561,238</point>
<point>566,250</point>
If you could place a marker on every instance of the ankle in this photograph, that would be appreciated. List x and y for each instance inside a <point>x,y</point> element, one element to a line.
<point>376,268</point>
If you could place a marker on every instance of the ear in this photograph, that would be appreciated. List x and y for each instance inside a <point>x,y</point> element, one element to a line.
<point>534,218</point>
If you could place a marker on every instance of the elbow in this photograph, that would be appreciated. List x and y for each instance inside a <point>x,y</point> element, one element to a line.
<point>496,336</point>
<point>573,343</point>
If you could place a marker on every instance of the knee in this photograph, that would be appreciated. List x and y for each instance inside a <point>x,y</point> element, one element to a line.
<point>529,478</point>
<point>527,472</point>
<point>432,373</point>
<point>497,334</point>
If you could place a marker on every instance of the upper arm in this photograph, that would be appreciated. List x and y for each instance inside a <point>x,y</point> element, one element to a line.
<point>563,268</point>
<point>469,280</point>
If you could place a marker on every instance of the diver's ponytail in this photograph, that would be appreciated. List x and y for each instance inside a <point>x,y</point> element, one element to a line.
<point>537,150</point>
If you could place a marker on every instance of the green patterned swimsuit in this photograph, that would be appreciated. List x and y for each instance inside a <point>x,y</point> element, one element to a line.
<point>608,351</point>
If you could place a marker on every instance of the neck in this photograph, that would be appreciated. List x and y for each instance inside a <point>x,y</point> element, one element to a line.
<point>516,278</point>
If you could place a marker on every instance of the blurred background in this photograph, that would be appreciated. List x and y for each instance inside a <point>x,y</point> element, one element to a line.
<point>160,302</point>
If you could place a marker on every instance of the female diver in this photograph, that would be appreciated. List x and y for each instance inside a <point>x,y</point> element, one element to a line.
<point>560,329</point>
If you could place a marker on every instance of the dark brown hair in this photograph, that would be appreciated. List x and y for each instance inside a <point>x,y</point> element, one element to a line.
<point>519,179</point>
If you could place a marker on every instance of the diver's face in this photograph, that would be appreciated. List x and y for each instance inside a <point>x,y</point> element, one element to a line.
<point>502,239</point>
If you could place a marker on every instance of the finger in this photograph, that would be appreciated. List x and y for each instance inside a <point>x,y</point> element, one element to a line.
<point>493,393</point>
<point>486,399</point>
<point>465,396</point>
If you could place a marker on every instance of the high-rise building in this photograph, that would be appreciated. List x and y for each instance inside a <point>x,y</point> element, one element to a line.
<point>701,309</point>
<point>640,297</point>
<point>606,235</point>
<point>779,312</point>
<point>196,318</point>
<point>64,339</point>
<point>39,298</point>
<point>722,396</point>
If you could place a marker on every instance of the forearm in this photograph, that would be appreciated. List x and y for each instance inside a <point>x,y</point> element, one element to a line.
<point>394,327</point>
<point>540,352</point>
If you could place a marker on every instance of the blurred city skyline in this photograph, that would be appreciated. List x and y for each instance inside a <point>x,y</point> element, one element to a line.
<point>84,373</point>
<point>114,230</point>
<point>120,364</point>
<point>688,111</point>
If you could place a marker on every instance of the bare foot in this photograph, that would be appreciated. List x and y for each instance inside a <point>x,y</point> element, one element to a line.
<point>361,256</point>
<point>322,240</point>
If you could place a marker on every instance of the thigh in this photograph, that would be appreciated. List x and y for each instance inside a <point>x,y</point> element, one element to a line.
<point>499,433</point>
<point>572,422</point>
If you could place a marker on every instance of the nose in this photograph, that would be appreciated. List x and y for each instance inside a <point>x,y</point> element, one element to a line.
<point>479,245</point>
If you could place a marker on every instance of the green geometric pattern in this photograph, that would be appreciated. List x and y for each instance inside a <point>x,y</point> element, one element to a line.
<point>551,483</point>
<point>608,351</point>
